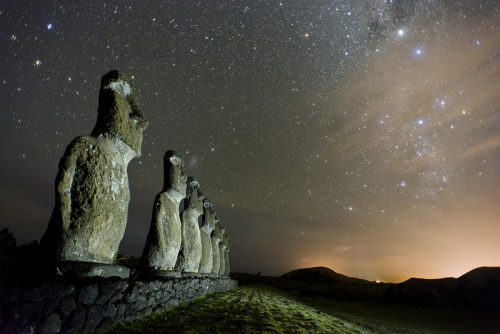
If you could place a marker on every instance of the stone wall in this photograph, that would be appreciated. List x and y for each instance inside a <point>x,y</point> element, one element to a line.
<point>90,305</point>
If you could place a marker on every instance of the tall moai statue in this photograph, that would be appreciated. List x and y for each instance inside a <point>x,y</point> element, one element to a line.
<point>216,239</point>
<point>92,188</point>
<point>227,247</point>
<point>222,251</point>
<point>191,245</point>
<point>164,238</point>
<point>207,256</point>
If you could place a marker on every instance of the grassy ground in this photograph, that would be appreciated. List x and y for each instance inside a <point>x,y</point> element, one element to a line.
<point>363,305</point>
<point>247,309</point>
<point>407,319</point>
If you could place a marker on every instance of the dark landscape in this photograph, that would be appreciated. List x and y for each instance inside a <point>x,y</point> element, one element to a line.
<point>307,300</point>
<point>319,300</point>
<point>468,304</point>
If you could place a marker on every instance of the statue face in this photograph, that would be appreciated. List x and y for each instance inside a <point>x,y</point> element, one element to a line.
<point>209,213</point>
<point>194,196</point>
<point>130,121</point>
<point>225,240</point>
<point>175,175</point>
<point>218,230</point>
<point>136,122</point>
<point>119,112</point>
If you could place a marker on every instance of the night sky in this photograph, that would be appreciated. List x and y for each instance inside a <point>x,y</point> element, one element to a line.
<point>360,135</point>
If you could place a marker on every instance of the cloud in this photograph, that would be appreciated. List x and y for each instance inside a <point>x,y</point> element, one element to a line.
<point>342,249</point>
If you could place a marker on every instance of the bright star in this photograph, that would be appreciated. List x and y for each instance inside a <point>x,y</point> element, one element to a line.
<point>418,51</point>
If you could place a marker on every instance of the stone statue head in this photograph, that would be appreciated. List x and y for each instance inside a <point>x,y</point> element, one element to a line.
<point>208,215</point>
<point>174,175</point>
<point>225,241</point>
<point>194,196</point>
<point>118,112</point>
<point>218,230</point>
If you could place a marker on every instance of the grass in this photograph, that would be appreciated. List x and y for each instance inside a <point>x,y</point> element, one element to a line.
<point>247,309</point>
<point>408,319</point>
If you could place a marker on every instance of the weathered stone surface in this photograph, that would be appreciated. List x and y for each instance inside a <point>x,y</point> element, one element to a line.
<point>190,252</point>
<point>222,251</point>
<point>75,321</point>
<point>77,313</point>
<point>151,273</point>
<point>67,305</point>
<point>92,190</point>
<point>164,238</point>
<point>89,269</point>
<point>227,248</point>
<point>95,315</point>
<point>205,233</point>
<point>110,291</point>
<point>120,311</point>
<point>28,313</point>
<point>116,297</point>
<point>50,305</point>
<point>43,291</point>
<point>110,310</point>
<point>50,324</point>
<point>88,295</point>
<point>216,239</point>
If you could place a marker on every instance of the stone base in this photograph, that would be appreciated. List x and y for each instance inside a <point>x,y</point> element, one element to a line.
<point>92,305</point>
<point>91,269</point>
<point>193,275</point>
<point>156,273</point>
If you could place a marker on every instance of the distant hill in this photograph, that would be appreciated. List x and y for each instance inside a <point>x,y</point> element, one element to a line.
<point>478,287</point>
<point>483,276</point>
<point>321,275</point>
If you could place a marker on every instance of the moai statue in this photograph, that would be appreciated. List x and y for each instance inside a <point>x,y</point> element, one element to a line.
<point>164,238</point>
<point>216,239</point>
<point>227,248</point>
<point>92,189</point>
<point>190,252</point>
<point>206,231</point>
<point>222,251</point>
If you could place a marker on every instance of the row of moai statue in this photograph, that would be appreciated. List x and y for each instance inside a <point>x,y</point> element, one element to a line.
<point>176,242</point>
<point>92,196</point>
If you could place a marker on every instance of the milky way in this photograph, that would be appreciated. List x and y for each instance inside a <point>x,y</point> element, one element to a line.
<point>358,135</point>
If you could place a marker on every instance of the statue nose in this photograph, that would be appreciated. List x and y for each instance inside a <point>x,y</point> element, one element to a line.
<point>143,124</point>
<point>140,121</point>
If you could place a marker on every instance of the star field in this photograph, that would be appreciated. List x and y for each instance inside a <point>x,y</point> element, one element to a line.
<point>359,135</point>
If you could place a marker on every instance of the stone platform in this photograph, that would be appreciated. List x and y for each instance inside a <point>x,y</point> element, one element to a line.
<point>87,305</point>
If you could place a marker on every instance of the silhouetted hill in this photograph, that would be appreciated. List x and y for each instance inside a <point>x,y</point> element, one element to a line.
<point>483,275</point>
<point>321,275</point>
<point>477,288</point>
